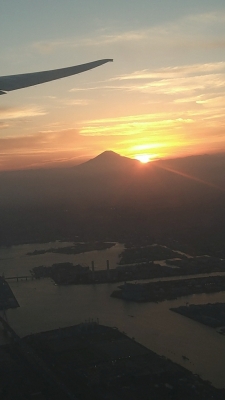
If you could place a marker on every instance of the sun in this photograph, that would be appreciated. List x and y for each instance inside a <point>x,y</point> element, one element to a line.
<point>143,158</point>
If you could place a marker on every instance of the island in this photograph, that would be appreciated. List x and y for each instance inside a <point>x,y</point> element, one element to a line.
<point>143,254</point>
<point>170,289</point>
<point>212,315</point>
<point>77,248</point>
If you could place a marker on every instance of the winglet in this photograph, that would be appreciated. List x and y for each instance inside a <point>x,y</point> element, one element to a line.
<point>13,82</point>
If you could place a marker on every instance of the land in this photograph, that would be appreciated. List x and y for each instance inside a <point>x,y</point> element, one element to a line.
<point>188,266</point>
<point>94,202</point>
<point>19,380</point>
<point>141,266</point>
<point>92,361</point>
<point>200,264</point>
<point>169,290</point>
<point>143,254</point>
<point>75,249</point>
<point>212,315</point>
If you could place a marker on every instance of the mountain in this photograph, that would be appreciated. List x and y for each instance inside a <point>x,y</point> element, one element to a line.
<point>106,162</point>
<point>112,178</point>
<point>112,196</point>
<point>91,180</point>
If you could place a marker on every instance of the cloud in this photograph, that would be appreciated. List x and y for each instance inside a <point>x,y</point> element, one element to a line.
<point>181,84</point>
<point>75,102</point>
<point>100,87</point>
<point>3,125</point>
<point>97,40</point>
<point>132,125</point>
<point>43,141</point>
<point>9,113</point>
<point>213,17</point>
<point>196,90</point>
<point>174,106</point>
<point>174,72</point>
<point>66,147</point>
<point>46,47</point>
<point>191,32</point>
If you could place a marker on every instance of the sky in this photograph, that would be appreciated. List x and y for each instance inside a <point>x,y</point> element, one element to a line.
<point>162,97</point>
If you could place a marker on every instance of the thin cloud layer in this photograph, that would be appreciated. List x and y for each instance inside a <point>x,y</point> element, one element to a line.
<point>164,94</point>
<point>192,31</point>
<point>9,113</point>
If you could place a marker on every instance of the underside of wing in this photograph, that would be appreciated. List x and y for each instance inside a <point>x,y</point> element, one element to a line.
<point>13,82</point>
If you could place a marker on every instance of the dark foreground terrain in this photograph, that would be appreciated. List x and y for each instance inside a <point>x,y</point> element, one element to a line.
<point>91,361</point>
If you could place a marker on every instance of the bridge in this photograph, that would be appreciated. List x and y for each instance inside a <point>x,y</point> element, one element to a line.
<point>20,278</point>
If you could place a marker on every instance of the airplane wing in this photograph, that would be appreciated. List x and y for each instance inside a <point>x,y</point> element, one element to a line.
<point>13,82</point>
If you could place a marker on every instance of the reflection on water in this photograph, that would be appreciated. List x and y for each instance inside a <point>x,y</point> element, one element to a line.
<point>45,306</point>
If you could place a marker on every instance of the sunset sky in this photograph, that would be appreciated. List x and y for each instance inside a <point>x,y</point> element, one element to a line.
<point>163,96</point>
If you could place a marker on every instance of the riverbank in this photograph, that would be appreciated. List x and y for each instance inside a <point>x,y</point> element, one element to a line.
<point>168,290</point>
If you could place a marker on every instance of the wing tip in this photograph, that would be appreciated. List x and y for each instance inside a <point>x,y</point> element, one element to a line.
<point>108,60</point>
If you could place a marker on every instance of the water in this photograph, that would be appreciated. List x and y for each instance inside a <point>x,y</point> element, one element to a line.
<point>44,306</point>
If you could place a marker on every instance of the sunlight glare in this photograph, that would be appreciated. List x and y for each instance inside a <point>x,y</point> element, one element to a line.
<point>143,158</point>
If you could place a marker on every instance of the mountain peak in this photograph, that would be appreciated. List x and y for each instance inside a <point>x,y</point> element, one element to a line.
<point>108,160</point>
<point>108,155</point>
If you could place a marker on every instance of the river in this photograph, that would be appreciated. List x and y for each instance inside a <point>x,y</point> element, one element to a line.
<point>44,306</point>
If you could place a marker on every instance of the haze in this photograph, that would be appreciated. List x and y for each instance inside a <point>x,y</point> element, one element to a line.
<point>117,198</point>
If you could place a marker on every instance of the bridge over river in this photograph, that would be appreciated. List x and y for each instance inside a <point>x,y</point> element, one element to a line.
<point>20,278</point>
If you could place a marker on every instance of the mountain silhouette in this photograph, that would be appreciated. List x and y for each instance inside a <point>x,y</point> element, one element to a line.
<point>112,195</point>
<point>106,162</point>
<point>112,178</point>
